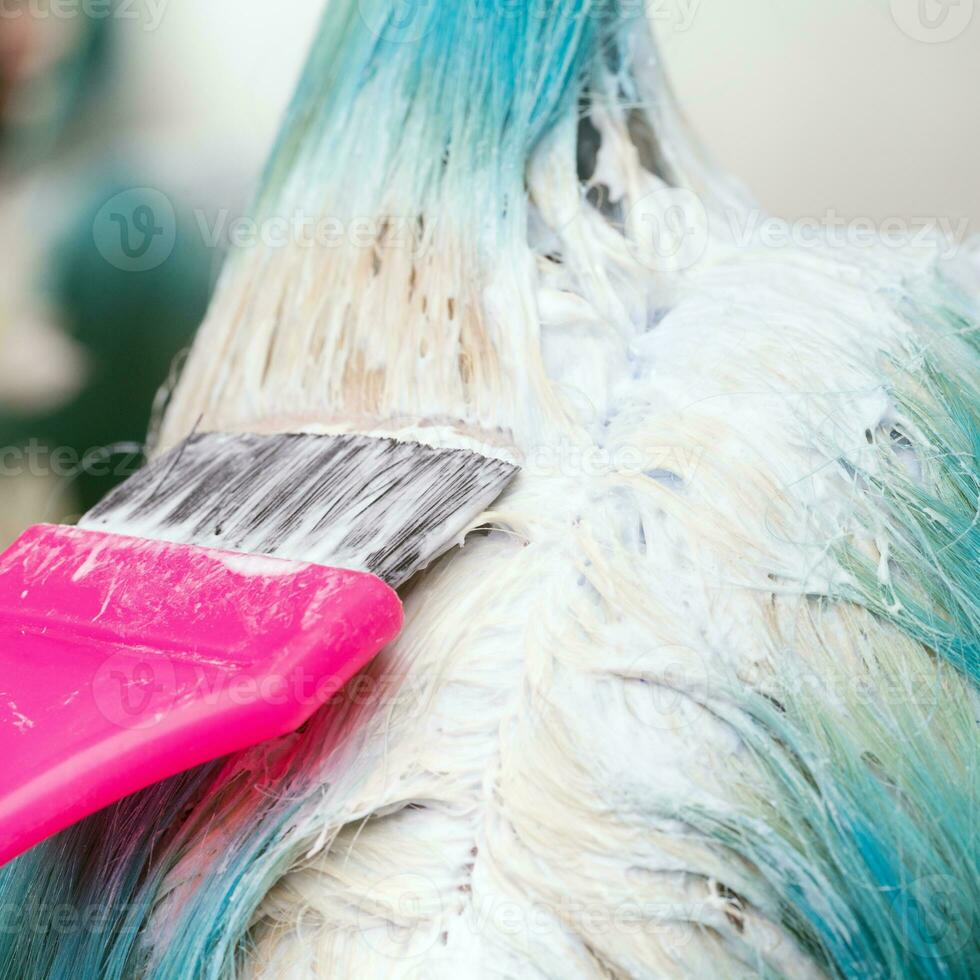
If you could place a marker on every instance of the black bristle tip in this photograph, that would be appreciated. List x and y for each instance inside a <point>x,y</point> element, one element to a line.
<point>375,504</point>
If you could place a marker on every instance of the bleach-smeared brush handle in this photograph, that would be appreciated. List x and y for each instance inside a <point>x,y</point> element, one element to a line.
<point>124,661</point>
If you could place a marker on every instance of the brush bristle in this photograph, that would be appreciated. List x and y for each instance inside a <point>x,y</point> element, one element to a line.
<point>375,505</point>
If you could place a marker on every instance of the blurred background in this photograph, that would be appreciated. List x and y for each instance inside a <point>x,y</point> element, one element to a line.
<point>864,107</point>
<point>132,131</point>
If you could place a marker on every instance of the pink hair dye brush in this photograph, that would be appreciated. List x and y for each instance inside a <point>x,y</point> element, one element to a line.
<point>214,601</point>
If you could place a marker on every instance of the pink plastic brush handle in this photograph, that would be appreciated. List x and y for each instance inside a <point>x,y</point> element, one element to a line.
<point>124,661</point>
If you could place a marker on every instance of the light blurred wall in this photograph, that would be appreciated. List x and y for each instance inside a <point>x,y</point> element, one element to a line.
<point>214,76</point>
<point>868,107</point>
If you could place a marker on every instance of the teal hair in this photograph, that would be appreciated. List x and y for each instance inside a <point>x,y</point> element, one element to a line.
<point>857,820</point>
<point>932,518</point>
<point>858,811</point>
<point>74,906</point>
<point>446,100</point>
